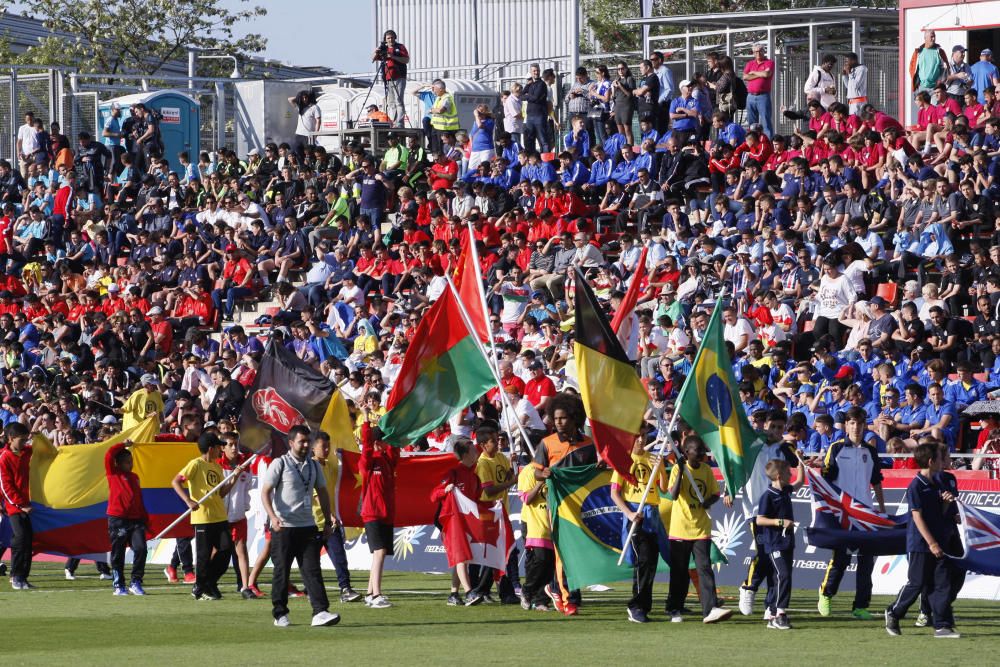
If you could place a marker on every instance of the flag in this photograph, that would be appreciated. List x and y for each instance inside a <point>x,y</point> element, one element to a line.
<point>69,489</point>
<point>612,394</point>
<point>980,532</point>
<point>337,423</point>
<point>476,531</point>
<point>841,521</point>
<point>443,372</point>
<point>416,477</point>
<point>708,401</point>
<point>586,525</point>
<point>632,295</point>
<point>286,392</point>
<point>469,284</point>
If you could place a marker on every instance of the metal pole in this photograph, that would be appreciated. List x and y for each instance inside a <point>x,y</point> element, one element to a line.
<point>220,115</point>
<point>482,350</point>
<point>13,114</point>
<point>574,48</point>
<point>191,60</point>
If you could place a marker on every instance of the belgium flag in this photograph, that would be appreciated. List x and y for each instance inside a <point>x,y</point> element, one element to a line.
<point>611,391</point>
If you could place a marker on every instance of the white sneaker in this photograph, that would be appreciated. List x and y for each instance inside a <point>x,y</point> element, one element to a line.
<point>105,577</point>
<point>323,618</point>
<point>675,617</point>
<point>282,622</point>
<point>747,596</point>
<point>768,615</point>
<point>380,602</point>
<point>69,575</point>
<point>717,614</point>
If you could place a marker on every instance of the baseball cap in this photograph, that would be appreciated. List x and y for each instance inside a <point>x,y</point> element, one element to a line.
<point>115,106</point>
<point>230,248</point>
<point>113,287</point>
<point>957,48</point>
<point>109,419</point>
<point>155,310</point>
<point>535,366</point>
<point>685,83</point>
<point>878,301</point>
<point>537,294</point>
<point>253,151</point>
<point>986,52</point>
<point>208,440</point>
<point>150,379</point>
<point>844,373</point>
<point>806,389</point>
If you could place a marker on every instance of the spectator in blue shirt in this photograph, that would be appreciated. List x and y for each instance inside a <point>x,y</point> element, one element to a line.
<point>985,74</point>
<point>573,173</point>
<point>966,389</point>
<point>684,114</point>
<point>600,170</point>
<point>941,417</point>
<point>727,131</point>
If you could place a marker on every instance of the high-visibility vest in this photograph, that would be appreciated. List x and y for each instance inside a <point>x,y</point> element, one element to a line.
<point>447,119</point>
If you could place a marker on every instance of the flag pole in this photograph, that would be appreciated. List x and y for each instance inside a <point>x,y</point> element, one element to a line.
<point>666,439</point>
<point>482,350</point>
<point>480,290</point>
<point>211,492</point>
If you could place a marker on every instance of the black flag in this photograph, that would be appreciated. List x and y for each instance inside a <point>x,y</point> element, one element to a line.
<point>285,392</point>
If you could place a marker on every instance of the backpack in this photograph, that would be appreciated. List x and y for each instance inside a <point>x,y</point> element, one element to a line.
<point>739,93</point>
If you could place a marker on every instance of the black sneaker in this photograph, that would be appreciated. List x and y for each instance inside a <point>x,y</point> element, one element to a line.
<point>454,600</point>
<point>892,624</point>
<point>196,593</point>
<point>3,569</point>
<point>946,633</point>
<point>637,615</point>
<point>348,594</point>
<point>780,622</point>
<point>248,594</point>
<point>473,598</point>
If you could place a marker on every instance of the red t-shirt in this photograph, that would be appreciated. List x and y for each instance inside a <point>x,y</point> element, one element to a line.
<point>14,480</point>
<point>449,168</point>
<point>166,331</point>
<point>538,388</point>
<point>124,492</point>
<point>378,485</point>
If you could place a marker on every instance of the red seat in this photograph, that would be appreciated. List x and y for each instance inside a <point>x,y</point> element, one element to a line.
<point>889,292</point>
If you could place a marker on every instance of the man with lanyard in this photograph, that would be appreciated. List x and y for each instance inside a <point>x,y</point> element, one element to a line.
<point>855,77</point>
<point>287,494</point>
<point>667,89</point>
<point>567,447</point>
<point>959,76</point>
<point>395,58</point>
<point>853,466</point>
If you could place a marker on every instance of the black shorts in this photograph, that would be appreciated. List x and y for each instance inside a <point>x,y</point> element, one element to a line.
<point>379,536</point>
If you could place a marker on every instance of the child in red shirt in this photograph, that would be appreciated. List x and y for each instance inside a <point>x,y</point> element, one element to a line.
<point>15,463</point>
<point>464,478</point>
<point>127,519</point>
<point>378,490</point>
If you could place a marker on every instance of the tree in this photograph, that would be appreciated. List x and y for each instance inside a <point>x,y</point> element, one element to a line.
<point>137,36</point>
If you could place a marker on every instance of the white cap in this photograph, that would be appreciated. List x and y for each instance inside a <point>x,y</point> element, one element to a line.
<point>115,106</point>
<point>253,151</point>
<point>686,83</point>
<point>113,287</point>
<point>109,419</point>
<point>155,310</point>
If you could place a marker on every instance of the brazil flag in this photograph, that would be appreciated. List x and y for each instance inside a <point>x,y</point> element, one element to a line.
<point>586,526</point>
<point>710,404</point>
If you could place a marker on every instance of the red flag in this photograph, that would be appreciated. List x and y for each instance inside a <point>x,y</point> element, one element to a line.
<point>632,295</point>
<point>416,477</point>
<point>468,282</point>
<point>475,531</point>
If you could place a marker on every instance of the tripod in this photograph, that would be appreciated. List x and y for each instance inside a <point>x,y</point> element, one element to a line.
<point>379,74</point>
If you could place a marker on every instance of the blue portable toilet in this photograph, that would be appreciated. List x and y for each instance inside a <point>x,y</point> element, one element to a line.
<point>180,121</point>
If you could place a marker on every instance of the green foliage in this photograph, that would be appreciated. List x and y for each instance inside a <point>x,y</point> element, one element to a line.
<point>137,36</point>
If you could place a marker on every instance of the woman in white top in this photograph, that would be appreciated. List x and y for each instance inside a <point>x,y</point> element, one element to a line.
<point>930,292</point>
<point>836,293</point>
<point>860,320</point>
<point>513,114</point>
<point>308,121</point>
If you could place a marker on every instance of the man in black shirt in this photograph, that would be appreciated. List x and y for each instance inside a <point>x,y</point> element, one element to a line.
<point>648,92</point>
<point>536,95</point>
<point>229,396</point>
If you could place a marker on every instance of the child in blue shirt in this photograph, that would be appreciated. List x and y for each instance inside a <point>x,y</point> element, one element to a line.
<point>776,522</point>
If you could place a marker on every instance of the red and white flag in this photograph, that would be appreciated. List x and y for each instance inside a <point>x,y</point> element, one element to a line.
<point>475,531</point>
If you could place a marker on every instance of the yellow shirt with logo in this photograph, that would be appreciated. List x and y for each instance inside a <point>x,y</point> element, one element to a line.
<point>200,477</point>
<point>688,519</point>
<point>534,515</point>
<point>141,404</point>
<point>642,466</point>
<point>330,475</point>
<point>493,470</point>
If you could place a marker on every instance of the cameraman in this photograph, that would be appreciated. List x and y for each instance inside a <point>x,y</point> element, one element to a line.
<point>395,57</point>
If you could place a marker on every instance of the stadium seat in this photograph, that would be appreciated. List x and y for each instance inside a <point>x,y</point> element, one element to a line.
<point>889,292</point>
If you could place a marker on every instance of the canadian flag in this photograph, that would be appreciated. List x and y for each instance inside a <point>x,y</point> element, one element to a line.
<point>475,531</point>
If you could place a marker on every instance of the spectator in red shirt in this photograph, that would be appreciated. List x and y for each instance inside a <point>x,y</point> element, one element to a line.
<point>378,496</point>
<point>236,284</point>
<point>162,332</point>
<point>759,77</point>
<point>15,463</point>
<point>443,173</point>
<point>127,519</point>
<point>540,389</point>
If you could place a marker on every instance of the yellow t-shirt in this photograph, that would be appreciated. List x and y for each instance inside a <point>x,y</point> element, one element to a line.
<point>688,519</point>
<point>534,515</point>
<point>642,466</point>
<point>139,406</point>
<point>493,470</point>
<point>202,476</point>
<point>330,475</point>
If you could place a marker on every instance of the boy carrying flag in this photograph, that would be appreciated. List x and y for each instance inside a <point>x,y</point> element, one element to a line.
<point>646,541</point>
<point>691,532</point>
<point>496,475</point>
<point>15,463</point>
<point>464,478</point>
<point>127,519</point>
<point>776,522</point>
<point>539,552</point>
<point>237,506</point>
<point>927,530</point>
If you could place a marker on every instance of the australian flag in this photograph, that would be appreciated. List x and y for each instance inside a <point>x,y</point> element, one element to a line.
<point>286,392</point>
<point>840,521</point>
<point>980,531</point>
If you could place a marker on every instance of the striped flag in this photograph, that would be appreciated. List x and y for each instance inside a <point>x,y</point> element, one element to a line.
<point>612,394</point>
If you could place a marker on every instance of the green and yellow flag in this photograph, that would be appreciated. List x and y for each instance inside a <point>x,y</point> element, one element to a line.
<point>586,525</point>
<point>710,404</point>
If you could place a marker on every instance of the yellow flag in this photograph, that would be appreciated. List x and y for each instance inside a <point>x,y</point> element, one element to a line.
<point>337,424</point>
